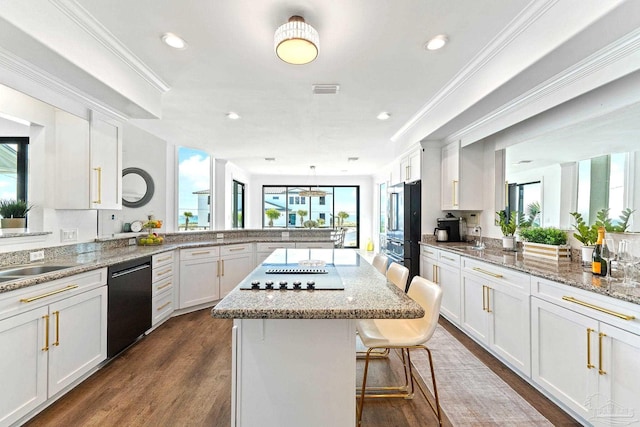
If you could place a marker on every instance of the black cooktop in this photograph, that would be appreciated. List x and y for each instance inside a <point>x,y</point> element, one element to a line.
<point>294,278</point>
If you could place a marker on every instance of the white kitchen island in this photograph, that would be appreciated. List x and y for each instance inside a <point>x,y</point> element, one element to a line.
<point>294,356</point>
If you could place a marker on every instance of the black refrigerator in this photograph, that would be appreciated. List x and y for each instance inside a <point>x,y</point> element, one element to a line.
<point>403,226</point>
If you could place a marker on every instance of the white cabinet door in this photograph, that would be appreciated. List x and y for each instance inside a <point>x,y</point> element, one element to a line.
<point>509,334</point>
<point>449,280</point>
<point>199,281</point>
<point>413,168</point>
<point>564,354</point>
<point>473,312</point>
<point>428,268</point>
<point>234,269</point>
<point>450,176</point>
<point>462,177</point>
<point>23,364</point>
<point>619,381</point>
<point>78,334</point>
<point>106,164</point>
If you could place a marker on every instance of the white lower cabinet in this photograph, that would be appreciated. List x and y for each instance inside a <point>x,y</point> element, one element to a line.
<point>208,274</point>
<point>443,268</point>
<point>162,285</point>
<point>48,347</point>
<point>581,359</point>
<point>495,311</point>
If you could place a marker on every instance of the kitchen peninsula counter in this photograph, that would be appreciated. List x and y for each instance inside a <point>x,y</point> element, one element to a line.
<point>570,273</point>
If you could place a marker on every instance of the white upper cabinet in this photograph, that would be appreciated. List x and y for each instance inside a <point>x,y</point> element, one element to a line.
<point>407,168</point>
<point>89,162</point>
<point>462,177</point>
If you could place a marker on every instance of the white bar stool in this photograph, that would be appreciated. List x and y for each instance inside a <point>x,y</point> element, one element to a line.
<point>380,262</point>
<point>403,334</point>
<point>398,275</point>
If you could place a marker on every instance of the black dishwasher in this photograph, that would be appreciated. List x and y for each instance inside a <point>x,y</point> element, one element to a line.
<point>129,303</point>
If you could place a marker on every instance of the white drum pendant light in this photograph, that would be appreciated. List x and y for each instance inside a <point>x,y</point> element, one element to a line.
<point>296,42</point>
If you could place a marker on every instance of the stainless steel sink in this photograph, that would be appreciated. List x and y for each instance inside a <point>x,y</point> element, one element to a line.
<point>29,270</point>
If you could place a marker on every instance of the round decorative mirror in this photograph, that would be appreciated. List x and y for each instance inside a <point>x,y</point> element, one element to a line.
<point>137,187</point>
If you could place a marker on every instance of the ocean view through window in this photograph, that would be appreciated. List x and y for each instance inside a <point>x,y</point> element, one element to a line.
<point>283,207</point>
<point>194,194</point>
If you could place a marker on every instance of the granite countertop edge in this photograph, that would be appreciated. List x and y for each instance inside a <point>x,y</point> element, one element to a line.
<point>104,258</point>
<point>569,273</point>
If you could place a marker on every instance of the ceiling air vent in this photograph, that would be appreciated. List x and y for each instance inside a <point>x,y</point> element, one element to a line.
<point>325,89</point>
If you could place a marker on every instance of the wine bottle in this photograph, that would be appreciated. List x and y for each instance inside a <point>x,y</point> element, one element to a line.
<point>599,264</point>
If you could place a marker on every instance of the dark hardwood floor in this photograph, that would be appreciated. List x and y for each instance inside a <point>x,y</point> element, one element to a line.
<point>180,375</point>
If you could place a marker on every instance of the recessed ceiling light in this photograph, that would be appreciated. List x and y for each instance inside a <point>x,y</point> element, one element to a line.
<point>352,159</point>
<point>270,159</point>
<point>232,115</point>
<point>174,41</point>
<point>383,116</point>
<point>437,42</point>
<point>523,162</point>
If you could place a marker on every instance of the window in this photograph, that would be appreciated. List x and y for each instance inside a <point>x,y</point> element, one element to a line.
<point>194,194</point>
<point>340,208</point>
<point>13,168</point>
<point>601,184</point>
<point>238,205</point>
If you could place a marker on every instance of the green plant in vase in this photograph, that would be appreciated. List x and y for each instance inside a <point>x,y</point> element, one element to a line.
<point>508,226</point>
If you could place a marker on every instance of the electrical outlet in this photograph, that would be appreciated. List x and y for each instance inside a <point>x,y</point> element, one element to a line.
<point>132,241</point>
<point>36,256</point>
<point>69,235</point>
<point>219,235</point>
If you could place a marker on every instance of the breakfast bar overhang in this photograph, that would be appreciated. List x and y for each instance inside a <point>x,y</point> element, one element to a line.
<point>294,349</point>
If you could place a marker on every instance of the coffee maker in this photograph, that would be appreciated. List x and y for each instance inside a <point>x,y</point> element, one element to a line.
<point>456,228</point>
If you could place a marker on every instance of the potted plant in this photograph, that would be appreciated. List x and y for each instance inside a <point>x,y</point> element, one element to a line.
<point>14,213</point>
<point>508,226</point>
<point>545,242</point>
<point>585,234</point>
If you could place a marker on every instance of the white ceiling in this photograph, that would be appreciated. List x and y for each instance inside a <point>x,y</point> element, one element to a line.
<point>372,49</point>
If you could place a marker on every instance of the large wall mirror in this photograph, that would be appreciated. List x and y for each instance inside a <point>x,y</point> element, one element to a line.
<point>583,167</point>
<point>137,187</point>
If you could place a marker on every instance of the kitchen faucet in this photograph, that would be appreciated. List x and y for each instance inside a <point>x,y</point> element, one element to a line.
<point>478,245</point>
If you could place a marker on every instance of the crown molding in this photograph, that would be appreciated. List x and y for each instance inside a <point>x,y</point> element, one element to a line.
<point>606,57</point>
<point>516,27</point>
<point>93,27</point>
<point>42,79</point>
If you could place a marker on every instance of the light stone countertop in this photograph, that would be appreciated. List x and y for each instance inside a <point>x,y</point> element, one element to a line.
<point>104,258</point>
<point>367,295</point>
<point>570,273</point>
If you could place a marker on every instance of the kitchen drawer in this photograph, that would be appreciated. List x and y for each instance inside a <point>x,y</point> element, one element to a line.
<point>235,249</point>
<point>429,252</point>
<point>594,305</point>
<point>162,286</point>
<point>161,307</point>
<point>270,247</point>
<point>199,253</point>
<point>21,300</point>
<point>161,272</point>
<point>445,257</point>
<point>162,259</point>
<point>497,274</point>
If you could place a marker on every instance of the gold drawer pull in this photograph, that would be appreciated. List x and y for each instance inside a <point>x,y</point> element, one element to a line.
<point>450,259</point>
<point>601,309</point>
<point>484,299</point>
<point>201,253</point>
<point>166,285</point>
<point>478,269</point>
<point>164,259</point>
<point>57,341</point>
<point>163,305</point>
<point>488,300</point>
<point>589,364</point>
<point>237,249</point>
<point>48,294</point>
<point>99,171</point>
<point>162,273</point>
<point>427,252</point>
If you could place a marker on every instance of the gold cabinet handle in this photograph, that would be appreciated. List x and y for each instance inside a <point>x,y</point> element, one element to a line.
<point>48,294</point>
<point>427,252</point>
<point>164,259</point>
<point>200,253</point>
<point>218,268</point>
<point>99,171</point>
<point>163,306</point>
<point>236,249</point>
<point>435,274</point>
<point>453,195</point>
<point>450,259</point>
<point>222,267</point>
<point>57,341</point>
<point>601,309</point>
<point>46,332</point>
<point>600,370</point>
<point>162,273</point>
<point>484,300</point>
<point>480,270</point>
<point>166,285</point>
<point>589,364</point>
<point>506,193</point>
<point>488,300</point>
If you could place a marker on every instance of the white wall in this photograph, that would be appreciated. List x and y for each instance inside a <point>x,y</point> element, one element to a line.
<point>367,194</point>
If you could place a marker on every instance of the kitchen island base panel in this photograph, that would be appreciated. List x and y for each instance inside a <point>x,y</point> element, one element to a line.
<point>307,366</point>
